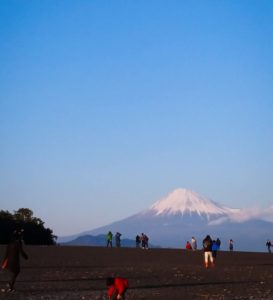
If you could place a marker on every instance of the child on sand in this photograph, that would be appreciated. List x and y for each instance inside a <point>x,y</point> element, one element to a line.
<point>117,288</point>
<point>188,246</point>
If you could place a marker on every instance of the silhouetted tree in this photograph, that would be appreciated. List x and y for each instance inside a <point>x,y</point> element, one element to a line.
<point>34,231</point>
<point>24,214</point>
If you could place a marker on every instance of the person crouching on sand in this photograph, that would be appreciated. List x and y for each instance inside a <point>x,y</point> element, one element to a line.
<point>207,247</point>
<point>117,288</point>
<point>12,257</point>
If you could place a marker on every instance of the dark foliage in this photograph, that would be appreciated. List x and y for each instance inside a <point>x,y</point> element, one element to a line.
<point>34,231</point>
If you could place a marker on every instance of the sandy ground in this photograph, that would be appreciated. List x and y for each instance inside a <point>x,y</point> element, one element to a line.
<point>79,273</point>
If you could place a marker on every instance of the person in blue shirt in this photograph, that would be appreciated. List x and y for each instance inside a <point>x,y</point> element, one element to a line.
<point>214,249</point>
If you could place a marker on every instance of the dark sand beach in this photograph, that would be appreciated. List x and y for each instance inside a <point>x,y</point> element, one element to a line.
<point>61,272</point>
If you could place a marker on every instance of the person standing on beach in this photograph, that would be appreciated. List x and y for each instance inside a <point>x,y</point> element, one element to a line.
<point>117,236</point>
<point>269,245</point>
<point>193,243</point>
<point>12,257</point>
<point>146,239</point>
<point>188,246</point>
<point>109,239</point>
<point>142,238</point>
<point>207,247</point>
<point>214,249</point>
<point>230,245</point>
<point>138,241</point>
<point>218,243</point>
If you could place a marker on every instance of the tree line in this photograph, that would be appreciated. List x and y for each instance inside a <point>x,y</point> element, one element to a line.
<point>35,232</point>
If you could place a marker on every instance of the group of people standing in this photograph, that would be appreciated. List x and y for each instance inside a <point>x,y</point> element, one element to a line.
<point>210,248</point>
<point>118,285</point>
<point>191,245</point>
<point>109,238</point>
<point>142,241</point>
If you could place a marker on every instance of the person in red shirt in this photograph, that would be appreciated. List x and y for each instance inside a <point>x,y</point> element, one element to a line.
<point>188,246</point>
<point>117,287</point>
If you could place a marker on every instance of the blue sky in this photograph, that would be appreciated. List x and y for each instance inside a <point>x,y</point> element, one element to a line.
<point>107,106</point>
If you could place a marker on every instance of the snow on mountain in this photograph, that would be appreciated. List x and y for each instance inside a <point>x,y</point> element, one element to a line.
<point>183,201</point>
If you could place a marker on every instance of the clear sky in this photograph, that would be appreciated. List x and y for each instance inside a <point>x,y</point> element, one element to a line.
<point>107,106</point>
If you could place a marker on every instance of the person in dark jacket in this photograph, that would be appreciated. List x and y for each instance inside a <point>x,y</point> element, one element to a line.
<point>230,245</point>
<point>218,243</point>
<point>207,247</point>
<point>138,241</point>
<point>268,245</point>
<point>12,257</point>
<point>117,237</point>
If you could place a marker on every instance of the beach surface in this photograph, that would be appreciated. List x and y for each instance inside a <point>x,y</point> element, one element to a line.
<point>68,272</point>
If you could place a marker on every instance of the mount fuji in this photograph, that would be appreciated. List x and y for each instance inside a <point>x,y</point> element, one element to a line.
<point>173,220</point>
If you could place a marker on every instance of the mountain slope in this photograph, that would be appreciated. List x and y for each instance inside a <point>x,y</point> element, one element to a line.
<point>99,240</point>
<point>173,220</point>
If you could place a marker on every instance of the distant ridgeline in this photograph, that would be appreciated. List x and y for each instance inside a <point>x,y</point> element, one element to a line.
<point>34,231</point>
<point>101,241</point>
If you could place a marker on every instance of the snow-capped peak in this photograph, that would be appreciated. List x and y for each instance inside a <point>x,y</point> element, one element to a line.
<point>185,201</point>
